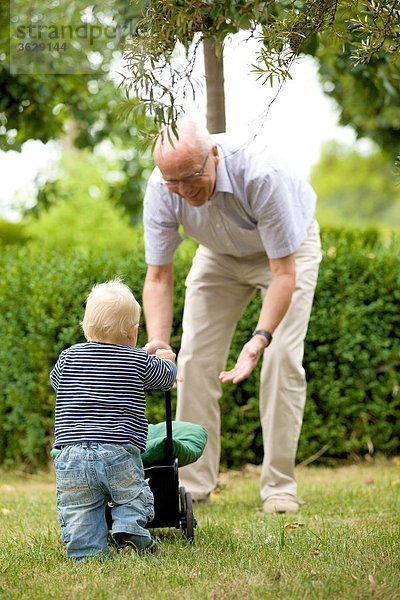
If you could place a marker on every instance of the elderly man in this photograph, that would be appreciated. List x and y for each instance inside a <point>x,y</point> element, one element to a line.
<point>256,229</point>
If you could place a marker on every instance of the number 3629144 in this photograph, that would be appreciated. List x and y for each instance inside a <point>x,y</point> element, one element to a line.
<point>42,47</point>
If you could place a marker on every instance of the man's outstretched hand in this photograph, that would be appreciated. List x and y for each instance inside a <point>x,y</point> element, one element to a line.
<point>246,363</point>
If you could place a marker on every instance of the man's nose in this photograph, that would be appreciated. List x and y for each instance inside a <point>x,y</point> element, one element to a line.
<point>183,185</point>
<point>184,189</point>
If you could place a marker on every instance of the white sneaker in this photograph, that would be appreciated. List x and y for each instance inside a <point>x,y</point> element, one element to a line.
<point>282,503</point>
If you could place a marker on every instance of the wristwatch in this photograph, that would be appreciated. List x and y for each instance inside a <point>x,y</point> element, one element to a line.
<point>264,333</point>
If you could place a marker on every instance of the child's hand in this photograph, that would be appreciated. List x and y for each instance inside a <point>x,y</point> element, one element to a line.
<point>156,344</point>
<point>164,354</point>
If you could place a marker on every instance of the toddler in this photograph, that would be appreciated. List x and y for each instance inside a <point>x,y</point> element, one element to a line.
<point>101,427</point>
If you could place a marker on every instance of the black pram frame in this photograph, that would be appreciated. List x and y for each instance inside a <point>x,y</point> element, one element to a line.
<point>173,505</point>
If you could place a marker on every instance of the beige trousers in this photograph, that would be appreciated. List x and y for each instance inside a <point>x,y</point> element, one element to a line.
<point>219,287</point>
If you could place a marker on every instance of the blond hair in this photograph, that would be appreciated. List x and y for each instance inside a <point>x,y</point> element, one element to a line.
<point>111,311</point>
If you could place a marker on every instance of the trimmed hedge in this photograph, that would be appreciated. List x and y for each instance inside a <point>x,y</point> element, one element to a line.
<point>352,358</point>
<point>352,355</point>
<point>12,233</point>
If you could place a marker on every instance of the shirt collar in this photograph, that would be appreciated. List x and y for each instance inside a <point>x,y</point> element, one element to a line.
<point>222,183</point>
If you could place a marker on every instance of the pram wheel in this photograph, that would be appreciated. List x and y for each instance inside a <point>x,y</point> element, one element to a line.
<point>188,522</point>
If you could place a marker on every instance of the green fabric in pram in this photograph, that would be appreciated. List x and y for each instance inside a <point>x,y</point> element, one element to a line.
<point>189,441</point>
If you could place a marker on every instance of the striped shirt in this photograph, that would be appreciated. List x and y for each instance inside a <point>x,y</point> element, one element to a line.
<point>255,207</point>
<point>100,393</point>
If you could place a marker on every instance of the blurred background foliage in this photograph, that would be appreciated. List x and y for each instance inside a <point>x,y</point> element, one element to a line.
<point>84,226</point>
<point>84,112</point>
<point>356,43</point>
<point>81,111</point>
<point>73,212</point>
<point>356,189</point>
<point>38,105</point>
<point>367,93</point>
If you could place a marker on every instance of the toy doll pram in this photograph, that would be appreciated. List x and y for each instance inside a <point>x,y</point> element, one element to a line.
<point>171,445</point>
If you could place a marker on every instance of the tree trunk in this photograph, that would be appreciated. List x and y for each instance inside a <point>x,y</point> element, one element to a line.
<point>214,70</point>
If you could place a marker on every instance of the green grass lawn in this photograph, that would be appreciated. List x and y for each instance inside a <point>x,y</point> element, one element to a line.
<point>344,544</point>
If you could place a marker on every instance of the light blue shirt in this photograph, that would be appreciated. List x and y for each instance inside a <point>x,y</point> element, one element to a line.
<point>255,208</point>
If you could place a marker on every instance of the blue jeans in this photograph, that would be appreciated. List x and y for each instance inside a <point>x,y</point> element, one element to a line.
<point>90,474</point>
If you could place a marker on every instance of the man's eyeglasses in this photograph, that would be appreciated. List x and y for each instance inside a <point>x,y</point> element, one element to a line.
<point>189,179</point>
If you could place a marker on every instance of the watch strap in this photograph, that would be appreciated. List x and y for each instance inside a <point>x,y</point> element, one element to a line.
<point>264,333</point>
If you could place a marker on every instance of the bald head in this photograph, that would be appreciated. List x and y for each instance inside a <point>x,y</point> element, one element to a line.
<point>191,137</point>
<point>187,161</point>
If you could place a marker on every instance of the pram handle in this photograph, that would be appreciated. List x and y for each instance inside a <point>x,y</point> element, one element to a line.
<point>168,423</point>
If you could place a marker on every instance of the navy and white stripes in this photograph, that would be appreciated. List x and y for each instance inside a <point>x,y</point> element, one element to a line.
<point>100,392</point>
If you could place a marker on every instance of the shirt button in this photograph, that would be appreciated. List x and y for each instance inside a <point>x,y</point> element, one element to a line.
<point>218,225</point>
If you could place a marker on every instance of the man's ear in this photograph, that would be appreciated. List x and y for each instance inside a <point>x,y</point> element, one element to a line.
<point>215,154</point>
